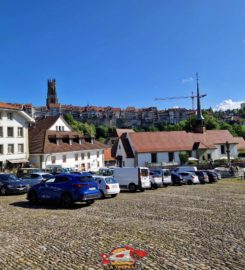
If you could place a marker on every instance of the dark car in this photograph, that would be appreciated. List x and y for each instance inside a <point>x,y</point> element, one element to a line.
<point>36,178</point>
<point>211,176</point>
<point>66,189</point>
<point>176,179</point>
<point>202,176</point>
<point>10,184</point>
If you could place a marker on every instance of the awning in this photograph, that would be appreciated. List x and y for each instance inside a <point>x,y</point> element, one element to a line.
<point>22,160</point>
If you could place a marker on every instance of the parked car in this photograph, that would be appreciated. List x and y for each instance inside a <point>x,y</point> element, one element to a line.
<point>36,178</point>
<point>105,171</point>
<point>107,186</point>
<point>189,178</point>
<point>202,176</point>
<point>212,176</point>
<point>10,184</point>
<point>185,169</point>
<point>25,171</point>
<point>66,189</point>
<point>156,180</point>
<point>177,179</point>
<point>165,174</point>
<point>132,178</point>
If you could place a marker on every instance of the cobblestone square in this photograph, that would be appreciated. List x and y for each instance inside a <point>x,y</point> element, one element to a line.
<point>186,227</point>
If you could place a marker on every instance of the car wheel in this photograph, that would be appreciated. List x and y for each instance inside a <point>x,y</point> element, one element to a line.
<point>189,182</point>
<point>66,200</point>
<point>102,195</point>
<point>3,191</point>
<point>89,202</point>
<point>132,188</point>
<point>113,195</point>
<point>142,190</point>
<point>32,197</point>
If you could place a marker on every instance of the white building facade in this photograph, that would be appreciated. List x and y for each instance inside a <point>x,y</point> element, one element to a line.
<point>14,147</point>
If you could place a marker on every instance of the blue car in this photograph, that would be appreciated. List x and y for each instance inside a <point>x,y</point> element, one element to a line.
<point>66,189</point>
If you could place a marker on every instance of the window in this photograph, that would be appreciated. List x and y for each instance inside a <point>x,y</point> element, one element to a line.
<point>10,148</point>
<point>153,157</point>
<point>64,158</point>
<point>57,128</point>
<point>209,156</point>
<point>82,156</point>
<point>10,116</point>
<point>222,149</point>
<point>21,148</point>
<point>76,157</point>
<point>0,115</point>
<point>20,132</point>
<point>88,166</point>
<point>1,149</point>
<point>61,179</point>
<point>63,128</point>
<point>98,154</point>
<point>88,155</point>
<point>171,156</point>
<point>53,159</point>
<point>98,164</point>
<point>1,131</point>
<point>10,132</point>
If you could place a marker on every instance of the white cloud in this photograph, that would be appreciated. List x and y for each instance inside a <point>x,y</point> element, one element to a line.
<point>188,80</point>
<point>228,105</point>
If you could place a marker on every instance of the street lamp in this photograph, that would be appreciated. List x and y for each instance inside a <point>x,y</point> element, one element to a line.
<point>46,159</point>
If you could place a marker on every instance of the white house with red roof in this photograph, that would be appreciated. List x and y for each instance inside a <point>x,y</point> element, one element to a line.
<point>53,142</point>
<point>143,148</point>
<point>14,147</point>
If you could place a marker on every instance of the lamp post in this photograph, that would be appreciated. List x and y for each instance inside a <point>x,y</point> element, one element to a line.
<point>228,152</point>
<point>46,159</point>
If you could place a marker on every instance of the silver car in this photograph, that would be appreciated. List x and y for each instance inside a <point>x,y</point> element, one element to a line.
<point>36,178</point>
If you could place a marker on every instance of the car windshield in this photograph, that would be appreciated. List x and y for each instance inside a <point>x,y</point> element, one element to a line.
<point>86,178</point>
<point>111,180</point>
<point>144,172</point>
<point>166,173</point>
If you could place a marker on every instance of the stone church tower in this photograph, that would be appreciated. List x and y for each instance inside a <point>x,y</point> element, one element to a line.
<point>51,95</point>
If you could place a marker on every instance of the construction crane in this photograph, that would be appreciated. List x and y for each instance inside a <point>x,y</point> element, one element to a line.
<point>182,97</point>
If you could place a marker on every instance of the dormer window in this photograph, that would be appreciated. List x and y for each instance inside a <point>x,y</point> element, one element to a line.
<point>52,139</point>
<point>76,140</point>
<point>10,116</point>
<point>66,140</point>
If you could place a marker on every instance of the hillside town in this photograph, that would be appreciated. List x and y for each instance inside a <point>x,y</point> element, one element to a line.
<point>41,137</point>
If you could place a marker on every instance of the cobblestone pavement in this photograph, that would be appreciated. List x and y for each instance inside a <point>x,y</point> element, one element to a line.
<point>188,227</point>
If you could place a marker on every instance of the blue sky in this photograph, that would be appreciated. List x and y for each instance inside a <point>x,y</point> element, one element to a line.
<point>122,52</point>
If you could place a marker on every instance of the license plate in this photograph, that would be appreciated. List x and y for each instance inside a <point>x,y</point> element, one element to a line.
<point>92,188</point>
<point>114,186</point>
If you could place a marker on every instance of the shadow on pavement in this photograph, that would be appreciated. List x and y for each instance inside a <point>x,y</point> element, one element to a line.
<point>47,205</point>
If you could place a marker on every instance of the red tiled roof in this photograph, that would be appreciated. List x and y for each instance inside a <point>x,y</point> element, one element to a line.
<point>108,154</point>
<point>241,143</point>
<point>39,139</point>
<point>120,131</point>
<point>10,106</point>
<point>167,141</point>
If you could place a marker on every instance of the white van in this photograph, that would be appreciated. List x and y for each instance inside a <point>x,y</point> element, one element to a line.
<point>165,176</point>
<point>185,169</point>
<point>133,179</point>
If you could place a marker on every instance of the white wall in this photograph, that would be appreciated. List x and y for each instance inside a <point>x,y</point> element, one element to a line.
<point>60,123</point>
<point>19,120</point>
<point>70,160</point>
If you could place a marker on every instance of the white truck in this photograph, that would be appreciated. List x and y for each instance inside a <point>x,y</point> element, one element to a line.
<point>132,178</point>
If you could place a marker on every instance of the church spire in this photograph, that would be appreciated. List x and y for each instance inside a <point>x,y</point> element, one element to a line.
<point>199,127</point>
